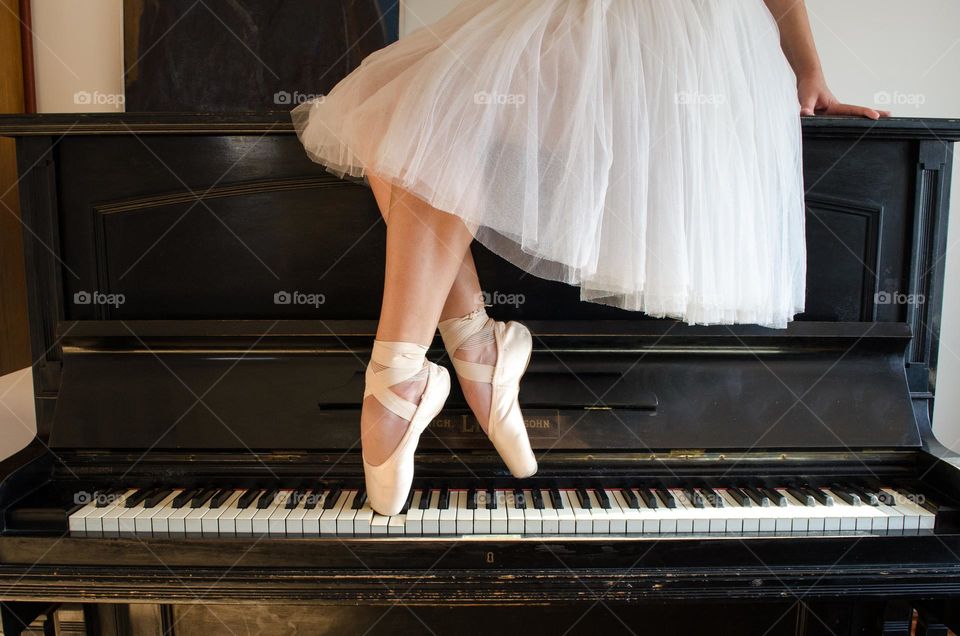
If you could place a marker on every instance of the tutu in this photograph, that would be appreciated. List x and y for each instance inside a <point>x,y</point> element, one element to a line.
<point>647,151</point>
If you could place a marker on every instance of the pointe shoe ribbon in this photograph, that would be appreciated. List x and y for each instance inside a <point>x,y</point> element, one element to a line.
<point>505,428</point>
<point>389,483</point>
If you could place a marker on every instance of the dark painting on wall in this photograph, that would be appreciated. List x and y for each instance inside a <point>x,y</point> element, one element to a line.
<point>246,55</point>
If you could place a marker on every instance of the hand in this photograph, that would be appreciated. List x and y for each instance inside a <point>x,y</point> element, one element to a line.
<point>816,99</point>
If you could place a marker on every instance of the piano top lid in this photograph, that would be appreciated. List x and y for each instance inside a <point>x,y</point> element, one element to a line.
<point>279,122</point>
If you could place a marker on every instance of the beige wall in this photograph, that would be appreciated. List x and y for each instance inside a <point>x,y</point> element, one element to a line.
<point>78,46</point>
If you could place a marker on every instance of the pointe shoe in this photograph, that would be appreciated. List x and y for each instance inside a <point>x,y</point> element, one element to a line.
<point>388,483</point>
<point>514,344</point>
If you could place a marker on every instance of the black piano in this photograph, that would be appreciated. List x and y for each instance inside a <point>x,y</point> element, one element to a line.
<point>203,301</point>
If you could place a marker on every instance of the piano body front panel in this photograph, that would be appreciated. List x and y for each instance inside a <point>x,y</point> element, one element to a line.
<point>201,311</point>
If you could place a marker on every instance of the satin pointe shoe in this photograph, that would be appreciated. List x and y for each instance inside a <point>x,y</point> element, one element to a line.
<point>514,344</point>
<point>388,483</point>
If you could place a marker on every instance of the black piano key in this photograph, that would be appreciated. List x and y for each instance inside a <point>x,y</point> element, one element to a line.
<point>694,497</point>
<point>756,496</point>
<point>491,499</point>
<point>425,499</point>
<point>822,496</point>
<point>181,500</point>
<point>584,499</point>
<point>666,497</point>
<point>443,501</point>
<point>361,498</point>
<point>311,499</point>
<point>556,499</point>
<point>159,495</point>
<point>714,498</point>
<point>602,498</point>
<point>406,504</point>
<point>866,494</point>
<point>203,497</point>
<point>537,496</point>
<point>630,498</point>
<point>739,496</point>
<point>295,498</point>
<point>137,497</point>
<point>221,497</point>
<point>883,496</point>
<point>520,501</point>
<point>471,499</point>
<point>649,499</point>
<point>331,499</point>
<point>104,498</point>
<point>849,497</point>
<point>805,498</point>
<point>247,498</point>
<point>775,496</point>
<point>267,498</point>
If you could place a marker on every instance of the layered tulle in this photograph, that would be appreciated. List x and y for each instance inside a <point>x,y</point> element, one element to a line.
<point>645,150</point>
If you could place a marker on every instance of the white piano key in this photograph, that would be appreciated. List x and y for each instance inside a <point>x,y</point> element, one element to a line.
<point>227,521</point>
<point>293,524</point>
<point>431,515</point>
<point>311,518</point>
<point>498,516</point>
<point>448,515</point>
<point>346,516</point>
<point>277,521</point>
<point>514,513</point>
<point>76,522</point>
<point>328,519</point>
<point>598,515</point>
<point>414,522</point>
<point>566,520</point>
<point>109,521</point>
<point>379,525</point>
<point>532,518</point>
<point>397,524</point>
<point>616,514</point>
<point>464,513</point>
<point>261,520</point>
<point>549,519</point>
<point>363,519</point>
<point>581,515</point>
<point>481,515</point>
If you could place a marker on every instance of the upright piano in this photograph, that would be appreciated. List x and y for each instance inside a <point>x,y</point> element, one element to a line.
<point>203,301</point>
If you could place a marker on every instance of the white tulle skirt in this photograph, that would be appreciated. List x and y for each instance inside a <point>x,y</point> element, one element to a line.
<point>647,151</point>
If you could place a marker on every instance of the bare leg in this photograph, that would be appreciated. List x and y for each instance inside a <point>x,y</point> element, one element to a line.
<point>425,251</point>
<point>464,297</point>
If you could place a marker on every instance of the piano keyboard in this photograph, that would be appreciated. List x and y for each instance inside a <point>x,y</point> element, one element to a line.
<point>653,511</point>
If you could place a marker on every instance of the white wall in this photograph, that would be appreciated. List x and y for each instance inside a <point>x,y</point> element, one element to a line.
<point>910,50</point>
